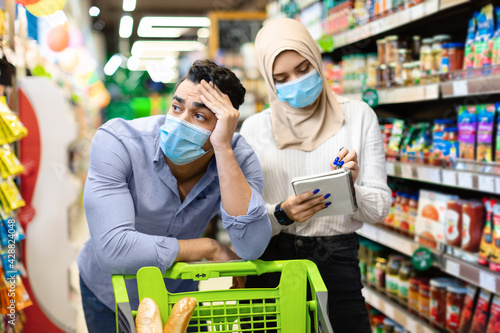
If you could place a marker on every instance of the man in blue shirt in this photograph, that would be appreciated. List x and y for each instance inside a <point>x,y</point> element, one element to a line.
<point>154,183</point>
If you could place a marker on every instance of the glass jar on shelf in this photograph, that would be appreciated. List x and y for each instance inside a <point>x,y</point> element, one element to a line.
<point>392,275</point>
<point>393,75</point>
<point>437,309</point>
<point>380,272</point>
<point>407,74</point>
<point>416,44</point>
<point>404,56</point>
<point>381,51</point>
<point>383,76</point>
<point>426,58</point>
<point>391,47</point>
<point>437,50</point>
<point>416,73</point>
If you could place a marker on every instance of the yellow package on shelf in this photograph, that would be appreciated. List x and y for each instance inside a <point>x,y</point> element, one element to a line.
<point>9,163</point>
<point>12,128</point>
<point>9,196</point>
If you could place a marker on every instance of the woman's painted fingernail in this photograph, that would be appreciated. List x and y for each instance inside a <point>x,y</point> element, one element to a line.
<point>328,204</point>
<point>316,191</point>
<point>327,196</point>
<point>342,163</point>
<point>336,160</point>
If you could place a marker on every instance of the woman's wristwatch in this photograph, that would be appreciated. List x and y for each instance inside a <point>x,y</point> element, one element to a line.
<point>281,216</point>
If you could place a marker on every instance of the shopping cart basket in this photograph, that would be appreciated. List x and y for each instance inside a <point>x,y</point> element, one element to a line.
<point>285,308</point>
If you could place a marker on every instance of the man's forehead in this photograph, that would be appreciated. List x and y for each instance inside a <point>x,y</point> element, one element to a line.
<point>187,89</point>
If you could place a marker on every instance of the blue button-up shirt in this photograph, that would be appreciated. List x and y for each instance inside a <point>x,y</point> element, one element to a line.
<point>135,214</point>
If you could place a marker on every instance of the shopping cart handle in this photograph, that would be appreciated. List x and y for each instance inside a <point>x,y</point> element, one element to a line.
<point>323,319</point>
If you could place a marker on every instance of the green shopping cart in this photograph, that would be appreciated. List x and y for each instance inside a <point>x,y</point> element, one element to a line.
<point>285,308</point>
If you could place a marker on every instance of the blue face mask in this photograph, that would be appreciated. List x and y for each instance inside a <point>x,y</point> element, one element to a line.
<point>301,92</point>
<point>182,141</point>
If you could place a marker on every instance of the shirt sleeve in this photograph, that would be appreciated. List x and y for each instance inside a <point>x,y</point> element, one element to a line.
<point>109,208</point>
<point>250,233</point>
<point>372,193</point>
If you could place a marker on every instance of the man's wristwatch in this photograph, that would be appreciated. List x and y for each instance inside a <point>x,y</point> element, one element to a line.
<point>281,216</point>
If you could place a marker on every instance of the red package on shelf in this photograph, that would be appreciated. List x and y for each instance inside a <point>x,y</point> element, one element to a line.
<point>494,322</point>
<point>468,309</point>
<point>486,246</point>
<point>480,319</point>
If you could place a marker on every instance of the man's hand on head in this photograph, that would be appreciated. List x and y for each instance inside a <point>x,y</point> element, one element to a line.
<point>227,116</point>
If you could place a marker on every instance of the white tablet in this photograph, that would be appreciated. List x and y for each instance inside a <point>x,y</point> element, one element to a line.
<point>338,183</point>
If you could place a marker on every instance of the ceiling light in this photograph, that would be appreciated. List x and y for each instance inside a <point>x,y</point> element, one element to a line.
<point>129,5</point>
<point>161,48</point>
<point>94,11</point>
<point>58,18</point>
<point>126,25</point>
<point>175,21</point>
<point>133,63</point>
<point>112,65</point>
<point>145,31</point>
<point>203,33</point>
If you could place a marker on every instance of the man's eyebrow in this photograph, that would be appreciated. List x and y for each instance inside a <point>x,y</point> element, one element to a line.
<point>179,99</point>
<point>303,62</point>
<point>199,105</point>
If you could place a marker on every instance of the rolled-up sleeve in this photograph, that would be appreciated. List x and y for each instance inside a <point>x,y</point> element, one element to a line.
<point>109,209</point>
<point>372,193</point>
<point>250,234</point>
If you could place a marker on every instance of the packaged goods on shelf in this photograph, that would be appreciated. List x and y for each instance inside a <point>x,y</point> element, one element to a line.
<point>485,246</point>
<point>431,220</point>
<point>494,321</point>
<point>486,123</point>
<point>472,225</point>
<point>483,43</point>
<point>467,127</point>
<point>481,312</point>
<point>455,296</point>
<point>469,43</point>
<point>468,309</point>
<point>494,259</point>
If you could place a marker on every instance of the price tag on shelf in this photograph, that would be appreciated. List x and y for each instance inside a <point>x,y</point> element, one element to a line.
<point>465,180</point>
<point>460,88</point>
<point>452,268</point>
<point>389,168</point>
<point>486,183</point>
<point>406,171</point>
<point>449,177</point>
<point>422,173</point>
<point>487,281</point>
<point>433,175</point>
<point>497,185</point>
<point>389,310</point>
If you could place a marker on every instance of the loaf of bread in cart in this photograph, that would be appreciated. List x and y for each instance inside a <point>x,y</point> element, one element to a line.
<point>148,319</point>
<point>180,316</point>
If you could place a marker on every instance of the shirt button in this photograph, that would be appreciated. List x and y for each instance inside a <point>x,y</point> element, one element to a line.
<point>299,242</point>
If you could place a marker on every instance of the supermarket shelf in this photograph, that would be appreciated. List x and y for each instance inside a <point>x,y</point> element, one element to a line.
<point>470,87</point>
<point>404,17</point>
<point>403,95</point>
<point>473,273</point>
<point>388,238</point>
<point>479,178</point>
<point>393,240</point>
<point>470,272</point>
<point>395,311</point>
<point>445,4</point>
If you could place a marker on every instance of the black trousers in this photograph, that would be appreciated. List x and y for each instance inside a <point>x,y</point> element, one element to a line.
<point>337,261</point>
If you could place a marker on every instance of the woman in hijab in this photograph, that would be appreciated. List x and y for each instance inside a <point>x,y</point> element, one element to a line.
<point>304,132</point>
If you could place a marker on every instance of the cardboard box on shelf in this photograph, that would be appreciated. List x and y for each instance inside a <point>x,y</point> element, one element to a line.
<point>430,227</point>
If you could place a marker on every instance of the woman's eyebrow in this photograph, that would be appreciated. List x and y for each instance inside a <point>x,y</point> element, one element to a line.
<point>303,62</point>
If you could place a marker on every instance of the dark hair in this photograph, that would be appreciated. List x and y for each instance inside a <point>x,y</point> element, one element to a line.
<point>221,76</point>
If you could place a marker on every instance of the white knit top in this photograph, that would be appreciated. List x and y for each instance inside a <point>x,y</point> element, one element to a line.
<point>361,133</point>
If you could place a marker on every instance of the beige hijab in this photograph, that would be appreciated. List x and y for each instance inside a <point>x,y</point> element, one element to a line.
<point>298,128</point>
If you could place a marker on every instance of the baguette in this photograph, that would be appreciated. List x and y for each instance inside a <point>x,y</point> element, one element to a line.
<point>148,319</point>
<point>181,313</point>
